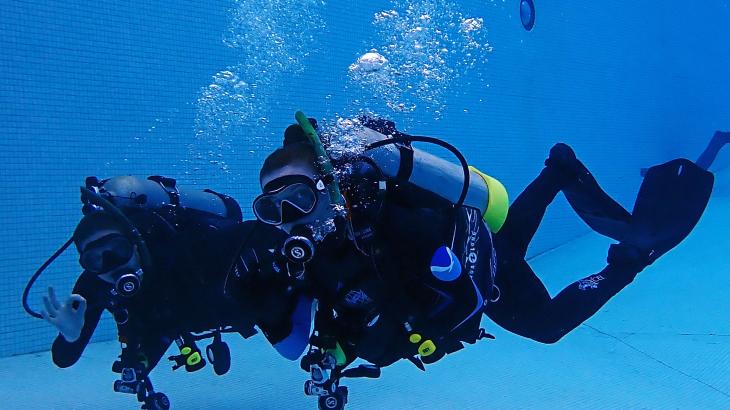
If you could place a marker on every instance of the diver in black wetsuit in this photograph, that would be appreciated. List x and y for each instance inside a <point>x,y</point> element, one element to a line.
<point>168,265</point>
<point>404,266</point>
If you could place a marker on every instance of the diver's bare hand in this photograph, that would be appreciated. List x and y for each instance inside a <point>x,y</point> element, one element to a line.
<point>67,319</point>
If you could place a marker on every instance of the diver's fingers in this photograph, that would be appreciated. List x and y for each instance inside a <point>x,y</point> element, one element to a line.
<point>46,317</point>
<point>81,308</point>
<point>52,296</point>
<point>49,307</point>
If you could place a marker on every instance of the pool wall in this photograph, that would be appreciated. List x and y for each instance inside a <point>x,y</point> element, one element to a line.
<point>108,88</point>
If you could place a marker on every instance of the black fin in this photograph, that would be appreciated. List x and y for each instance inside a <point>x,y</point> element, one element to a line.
<point>596,208</point>
<point>670,202</point>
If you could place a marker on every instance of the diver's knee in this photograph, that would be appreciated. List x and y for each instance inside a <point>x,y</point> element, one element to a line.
<point>548,338</point>
<point>62,363</point>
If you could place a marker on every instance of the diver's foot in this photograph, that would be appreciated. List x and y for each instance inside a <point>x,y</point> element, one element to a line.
<point>625,254</point>
<point>563,160</point>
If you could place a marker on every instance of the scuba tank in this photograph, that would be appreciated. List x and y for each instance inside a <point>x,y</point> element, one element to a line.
<point>390,151</point>
<point>156,193</point>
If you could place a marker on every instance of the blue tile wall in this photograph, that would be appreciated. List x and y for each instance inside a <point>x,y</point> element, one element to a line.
<point>114,87</point>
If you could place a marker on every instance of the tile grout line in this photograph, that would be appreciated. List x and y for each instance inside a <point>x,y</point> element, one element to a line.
<point>667,365</point>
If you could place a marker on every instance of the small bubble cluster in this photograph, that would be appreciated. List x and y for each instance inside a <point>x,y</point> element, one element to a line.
<point>425,46</point>
<point>343,139</point>
<point>272,38</point>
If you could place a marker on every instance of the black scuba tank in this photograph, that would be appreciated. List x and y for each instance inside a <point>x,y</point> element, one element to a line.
<point>156,193</point>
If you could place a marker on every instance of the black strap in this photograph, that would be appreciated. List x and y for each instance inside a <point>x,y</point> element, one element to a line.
<point>405,169</point>
<point>169,185</point>
<point>233,209</point>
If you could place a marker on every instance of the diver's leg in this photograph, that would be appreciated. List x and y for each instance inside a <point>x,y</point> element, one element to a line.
<point>563,171</point>
<point>592,204</point>
<point>522,298</point>
<point>713,148</point>
<point>526,308</point>
<point>527,211</point>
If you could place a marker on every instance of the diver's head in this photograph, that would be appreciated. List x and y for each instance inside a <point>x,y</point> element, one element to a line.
<point>294,197</point>
<point>107,252</point>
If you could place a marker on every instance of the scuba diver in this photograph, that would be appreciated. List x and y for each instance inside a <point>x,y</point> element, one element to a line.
<point>170,265</point>
<point>405,251</point>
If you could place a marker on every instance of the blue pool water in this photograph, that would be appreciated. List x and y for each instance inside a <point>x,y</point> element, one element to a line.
<point>202,92</point>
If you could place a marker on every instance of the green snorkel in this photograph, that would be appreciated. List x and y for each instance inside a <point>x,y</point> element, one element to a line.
<point>324,164</point>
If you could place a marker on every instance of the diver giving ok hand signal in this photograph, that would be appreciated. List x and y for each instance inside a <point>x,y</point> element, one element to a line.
<point>68,318</point>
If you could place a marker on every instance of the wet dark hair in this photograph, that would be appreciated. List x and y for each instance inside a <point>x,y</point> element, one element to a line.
<point>293,154</point>
<point>296,151</point>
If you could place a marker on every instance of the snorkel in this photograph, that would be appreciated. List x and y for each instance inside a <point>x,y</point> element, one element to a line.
<point>126,285</point>
<point>299,249</point>
<point>324,165</point>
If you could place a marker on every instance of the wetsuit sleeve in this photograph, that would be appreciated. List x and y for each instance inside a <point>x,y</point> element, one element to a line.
<point>64,353</point>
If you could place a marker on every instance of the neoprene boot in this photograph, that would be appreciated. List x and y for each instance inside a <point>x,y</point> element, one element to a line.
<point>624,254</point>
<point>562,159</point>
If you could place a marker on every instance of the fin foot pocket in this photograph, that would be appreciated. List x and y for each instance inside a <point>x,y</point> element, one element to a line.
<point>669,205</point>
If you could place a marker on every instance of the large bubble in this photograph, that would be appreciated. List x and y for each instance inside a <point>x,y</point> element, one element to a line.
<point>422,49</point>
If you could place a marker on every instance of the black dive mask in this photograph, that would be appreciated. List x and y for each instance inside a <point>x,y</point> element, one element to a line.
<point>287,199</point>
<point>108,254</point>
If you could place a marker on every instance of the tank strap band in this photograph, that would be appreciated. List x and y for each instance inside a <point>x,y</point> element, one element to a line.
<point>169,185</point>
<point>497,204</point>
<point>233,209</point>
<point>405,168</point>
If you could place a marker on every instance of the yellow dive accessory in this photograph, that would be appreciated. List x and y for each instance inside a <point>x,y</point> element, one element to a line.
<point>189,356</point>
<point>193,359</point>
<point>424,349</point>
<point>323,162</point>
<point>498,202</point>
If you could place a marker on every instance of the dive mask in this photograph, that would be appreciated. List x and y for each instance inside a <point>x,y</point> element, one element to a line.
<point>296,197</point>
<point>106,254</point>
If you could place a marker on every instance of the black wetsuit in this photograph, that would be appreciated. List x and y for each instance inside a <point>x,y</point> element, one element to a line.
<point>525,306</point>
<point>196,287</point>
<point>394,285</point>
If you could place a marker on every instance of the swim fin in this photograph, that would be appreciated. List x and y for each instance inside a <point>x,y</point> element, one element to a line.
<point>670,202</point>
<point>585,196</point>
<point>597,209</point>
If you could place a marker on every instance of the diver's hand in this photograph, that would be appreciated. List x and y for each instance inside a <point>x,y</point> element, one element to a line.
<point>67,319</point>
